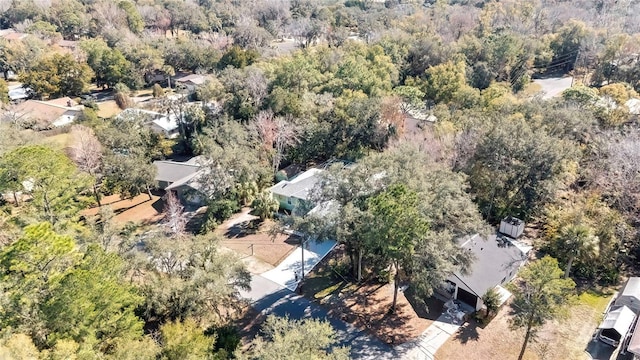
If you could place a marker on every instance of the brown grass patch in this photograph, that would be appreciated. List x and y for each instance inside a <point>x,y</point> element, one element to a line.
<point>565,339</point>
<point>139,209</point>
<point>367,306</point>
<point>107,109</point>
<point>242,236</point>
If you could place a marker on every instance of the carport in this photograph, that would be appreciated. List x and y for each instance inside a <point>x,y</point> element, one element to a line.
<point>616,325</point>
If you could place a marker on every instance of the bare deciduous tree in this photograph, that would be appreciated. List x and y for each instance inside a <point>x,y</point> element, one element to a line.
<point>86,152</point>
<point>617,168</point>
<point>174,218</point>
<point>276,133</point>
<point>265,126</point>
<point>286,135</point>
<point>256,84</point>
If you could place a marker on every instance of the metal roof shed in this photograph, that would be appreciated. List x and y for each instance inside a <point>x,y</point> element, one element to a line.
<point>630,295</point>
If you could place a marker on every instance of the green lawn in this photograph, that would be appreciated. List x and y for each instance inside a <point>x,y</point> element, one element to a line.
<point>595,299</point>
<point>58,142</point>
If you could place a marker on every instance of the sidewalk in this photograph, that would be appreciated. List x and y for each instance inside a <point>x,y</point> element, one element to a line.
<point>427,344</point>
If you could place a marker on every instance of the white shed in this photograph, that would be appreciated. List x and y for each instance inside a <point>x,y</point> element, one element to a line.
<point>512,227</point>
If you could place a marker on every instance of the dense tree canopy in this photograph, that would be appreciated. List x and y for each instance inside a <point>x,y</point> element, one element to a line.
<point>423,115</point>
<point>57,75</point>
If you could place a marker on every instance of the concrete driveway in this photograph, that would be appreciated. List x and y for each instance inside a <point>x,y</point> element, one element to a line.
<point>287,273</point>
<point>552,87</point>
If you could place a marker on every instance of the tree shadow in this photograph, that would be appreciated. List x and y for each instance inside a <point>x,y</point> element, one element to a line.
<point>123,209</point>
<point>195,223</point>
<point>158,205</point>
<point>430,308</point>
<point>362,308</point>
<point>243,229</point>
<point>468,331</point>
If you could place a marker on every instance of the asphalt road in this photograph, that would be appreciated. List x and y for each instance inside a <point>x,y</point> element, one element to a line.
<point>269,297</point>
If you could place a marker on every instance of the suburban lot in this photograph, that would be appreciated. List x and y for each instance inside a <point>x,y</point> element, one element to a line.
<point>139,209</point>
<point>564,339</point>
<point>367,305</point>
<point>245,235</point>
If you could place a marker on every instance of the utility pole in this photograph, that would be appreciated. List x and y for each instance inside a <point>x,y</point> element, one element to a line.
<point>302,251</point>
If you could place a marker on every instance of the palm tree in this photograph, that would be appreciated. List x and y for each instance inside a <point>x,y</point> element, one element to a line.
<point>578,242</point>
<point>264,205</point>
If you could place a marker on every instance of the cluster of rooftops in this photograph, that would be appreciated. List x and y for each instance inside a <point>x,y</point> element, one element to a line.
<point>497,258</point>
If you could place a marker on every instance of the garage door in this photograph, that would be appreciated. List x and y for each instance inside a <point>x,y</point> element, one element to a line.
<point>467,297</point>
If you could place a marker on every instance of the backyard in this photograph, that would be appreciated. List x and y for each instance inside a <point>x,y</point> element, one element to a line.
<point>565,339</point>
<point>139,209</point>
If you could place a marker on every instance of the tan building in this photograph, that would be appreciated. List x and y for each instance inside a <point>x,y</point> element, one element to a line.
<point>43,115</point>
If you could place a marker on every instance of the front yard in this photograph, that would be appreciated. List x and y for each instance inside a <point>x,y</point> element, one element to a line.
<point>565,339</point>
<point>367,305</point>
<point>245,235</point>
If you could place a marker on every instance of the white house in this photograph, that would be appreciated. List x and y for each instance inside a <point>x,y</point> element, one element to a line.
<point>164,124</point>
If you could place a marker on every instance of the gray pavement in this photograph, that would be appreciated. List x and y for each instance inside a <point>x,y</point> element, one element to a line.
<point>271,298</point>
<point>552,87</point>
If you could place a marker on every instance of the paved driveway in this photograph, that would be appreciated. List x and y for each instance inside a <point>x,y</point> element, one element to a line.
<point>598,350</point>
<point>287,273</point>
<point>271,298</point>
<point>427,344</point>
<point>552,87</point>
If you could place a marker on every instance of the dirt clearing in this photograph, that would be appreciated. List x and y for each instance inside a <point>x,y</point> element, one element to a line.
<point>367,305</point>
<point>247,236</point>
<point>139,209</point>
<point>565,339</point>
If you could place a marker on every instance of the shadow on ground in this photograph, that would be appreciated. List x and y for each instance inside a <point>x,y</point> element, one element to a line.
<point>468,332</point>
<point>599,350</point>
<point>286,303</point>
<point>430,308</point>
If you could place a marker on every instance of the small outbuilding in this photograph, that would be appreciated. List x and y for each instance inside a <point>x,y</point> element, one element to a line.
<point>512,227</point>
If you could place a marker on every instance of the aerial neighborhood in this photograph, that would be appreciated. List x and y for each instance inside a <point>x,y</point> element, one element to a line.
<point>328,179</point>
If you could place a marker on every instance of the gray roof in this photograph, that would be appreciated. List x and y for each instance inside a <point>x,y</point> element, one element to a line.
<point>172,171</point>
<point>619,319</point>
<point>634,343</point>
<point>495,259</point>
<point>299,186</point>
<point>632,288</point>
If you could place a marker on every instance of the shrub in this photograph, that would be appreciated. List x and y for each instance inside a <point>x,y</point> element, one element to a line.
<point>217,212</point>
<point>158,91</point>
<point>491,300</point>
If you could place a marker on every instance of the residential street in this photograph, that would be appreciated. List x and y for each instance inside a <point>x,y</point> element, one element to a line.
<point>267,296</point>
